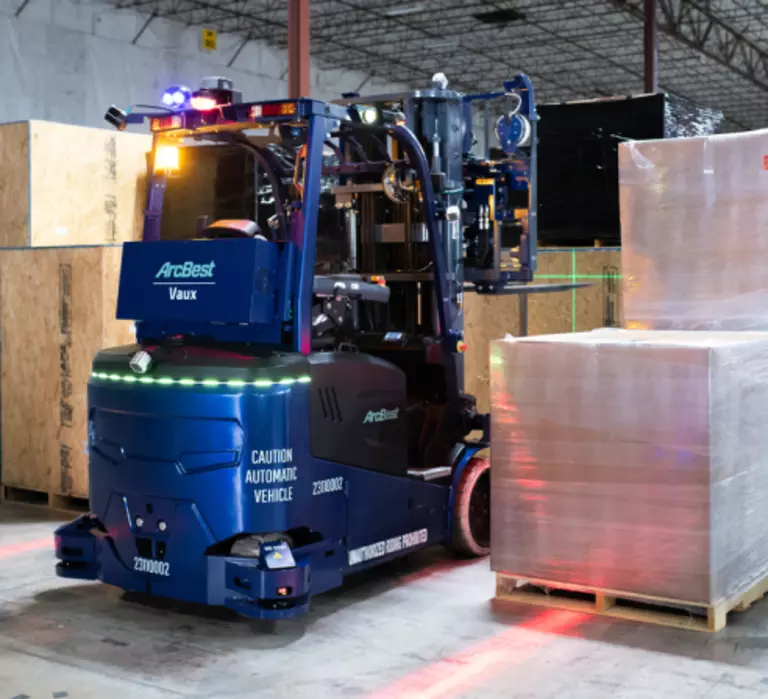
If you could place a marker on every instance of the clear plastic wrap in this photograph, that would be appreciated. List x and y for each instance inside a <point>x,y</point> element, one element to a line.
<point>694,227</point>
<point>632,461</point>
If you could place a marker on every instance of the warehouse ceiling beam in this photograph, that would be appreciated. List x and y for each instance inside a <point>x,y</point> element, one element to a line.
<point>239,50</point>
<point>140,5</point>
<point>466,48</point>
<point>511,40</point>
<point>242,12</point>
<point>695,24</point>
<point>358,19</point>
<point>366,80</point>
<point>21,8</point>
<point>144,28</point>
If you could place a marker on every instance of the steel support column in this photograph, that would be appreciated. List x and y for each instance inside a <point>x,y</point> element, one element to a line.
<point>651,46</point>
<point>298,48</point>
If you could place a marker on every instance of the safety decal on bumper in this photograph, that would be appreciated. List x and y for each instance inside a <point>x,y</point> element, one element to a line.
<point>384,548</point>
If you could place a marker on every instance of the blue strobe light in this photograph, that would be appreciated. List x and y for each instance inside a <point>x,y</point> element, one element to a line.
<point>177,97</point>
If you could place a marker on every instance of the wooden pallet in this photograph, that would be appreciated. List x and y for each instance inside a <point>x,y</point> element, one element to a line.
<point>38,498</point>
<point>626,605</point>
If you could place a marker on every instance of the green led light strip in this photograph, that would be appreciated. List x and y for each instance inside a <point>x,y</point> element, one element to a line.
<point>206,383</point>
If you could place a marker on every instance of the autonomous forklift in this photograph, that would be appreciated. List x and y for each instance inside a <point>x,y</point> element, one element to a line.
<point>293,408</point>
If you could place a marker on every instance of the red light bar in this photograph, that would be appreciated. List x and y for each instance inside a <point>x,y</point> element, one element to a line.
<point>274,109</point>
<point>203,104</point>
<point>166,123</point>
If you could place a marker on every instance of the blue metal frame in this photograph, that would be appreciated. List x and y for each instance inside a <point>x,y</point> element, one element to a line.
<point>304,235</point>
<point>321,119</point>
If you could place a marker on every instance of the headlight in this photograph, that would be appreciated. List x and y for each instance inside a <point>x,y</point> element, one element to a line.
<point>368,115</point>
<point>167,159</point>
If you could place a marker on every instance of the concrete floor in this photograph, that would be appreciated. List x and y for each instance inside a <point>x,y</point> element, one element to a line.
<point>420,628</point>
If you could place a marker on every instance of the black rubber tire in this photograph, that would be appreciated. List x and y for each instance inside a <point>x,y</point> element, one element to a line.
<point>472,510</point>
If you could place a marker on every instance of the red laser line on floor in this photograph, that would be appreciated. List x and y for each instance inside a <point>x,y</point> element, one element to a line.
<point>457,674</point>
<point>26,547</point>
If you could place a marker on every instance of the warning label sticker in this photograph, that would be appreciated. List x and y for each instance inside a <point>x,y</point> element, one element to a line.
<point>384,548</point>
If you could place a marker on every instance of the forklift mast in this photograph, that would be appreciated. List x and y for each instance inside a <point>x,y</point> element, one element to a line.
<point>476,199</point>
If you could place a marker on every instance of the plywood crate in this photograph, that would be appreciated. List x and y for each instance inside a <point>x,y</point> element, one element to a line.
<point>489,317</point>
<point>57,309</point>
<point>70,185</point>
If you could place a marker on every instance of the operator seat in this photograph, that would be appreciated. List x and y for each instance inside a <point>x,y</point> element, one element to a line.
<point>233,228</point>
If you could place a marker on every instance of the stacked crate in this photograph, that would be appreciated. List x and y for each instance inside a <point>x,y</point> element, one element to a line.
<point>69,197</point>
<point>629,465</point>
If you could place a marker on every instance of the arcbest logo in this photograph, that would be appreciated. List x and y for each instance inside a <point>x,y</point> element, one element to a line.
<point>186,270</point>
<point>381,415</point>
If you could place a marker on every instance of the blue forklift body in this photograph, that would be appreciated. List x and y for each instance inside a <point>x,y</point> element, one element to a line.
<point>175,470</point>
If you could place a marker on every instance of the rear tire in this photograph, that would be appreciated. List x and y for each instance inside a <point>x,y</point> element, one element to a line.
<point>472,510</point>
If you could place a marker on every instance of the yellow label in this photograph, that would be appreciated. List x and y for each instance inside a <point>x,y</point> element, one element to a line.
<point>485,181</point>
<point>208,37</point>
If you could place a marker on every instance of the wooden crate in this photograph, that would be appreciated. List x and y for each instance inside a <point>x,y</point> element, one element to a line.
<point>70,185</point>
<point>626,605</point>
<point>57,309</point>
<point>489,317</point>
<point>37,498</point>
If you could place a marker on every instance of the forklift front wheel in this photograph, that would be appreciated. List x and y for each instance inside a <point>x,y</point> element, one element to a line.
<point>472,510</point>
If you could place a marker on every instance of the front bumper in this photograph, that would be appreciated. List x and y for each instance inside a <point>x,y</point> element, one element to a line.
<point>247,586</point>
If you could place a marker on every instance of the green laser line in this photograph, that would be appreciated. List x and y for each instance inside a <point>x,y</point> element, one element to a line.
<point>573,291</point>
<point>571,276</point>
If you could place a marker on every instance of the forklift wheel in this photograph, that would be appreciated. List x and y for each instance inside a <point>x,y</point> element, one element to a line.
<point>472,510</point>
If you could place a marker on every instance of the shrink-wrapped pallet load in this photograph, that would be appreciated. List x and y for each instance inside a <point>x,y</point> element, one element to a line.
<point>694,227</point>
<point>633,461</point>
